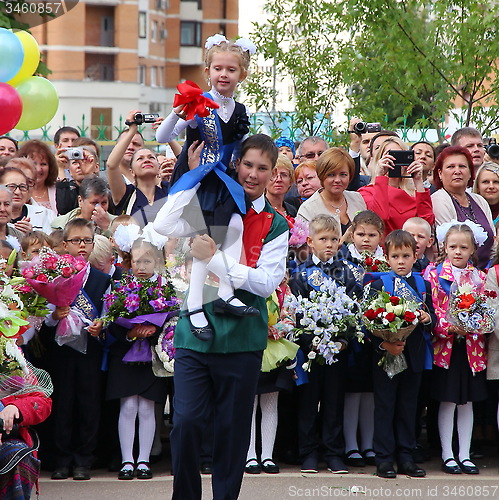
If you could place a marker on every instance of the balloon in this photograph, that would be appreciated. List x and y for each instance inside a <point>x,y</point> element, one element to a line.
<point>40,102</point>
<point>31,57</point>
<point>11,106</point>
<point>12,55</point>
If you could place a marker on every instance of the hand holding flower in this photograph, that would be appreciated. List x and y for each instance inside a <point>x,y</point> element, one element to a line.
<point>9,414</point>
<point>394,348</point>
<point>424,317</point>
<point>95,328</point>
<point>60,312</point>
<point>457,330</point>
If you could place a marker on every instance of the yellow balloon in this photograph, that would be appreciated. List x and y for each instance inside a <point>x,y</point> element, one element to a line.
<point>31,57</point>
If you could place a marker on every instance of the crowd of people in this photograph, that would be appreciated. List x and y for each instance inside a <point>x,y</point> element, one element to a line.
<point>248,226</point>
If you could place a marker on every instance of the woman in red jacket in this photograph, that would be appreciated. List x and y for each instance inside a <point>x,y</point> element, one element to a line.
<point>24,402</point>
<point>396,199</point>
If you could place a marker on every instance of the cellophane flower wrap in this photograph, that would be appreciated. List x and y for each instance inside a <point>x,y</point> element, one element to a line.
<point>165,351</point>
<point>471,306</point>
<point>58,278</point>
<point>328,314</point>
<point>35,306</point>
<point>392,319</point>
<point>12,322</point>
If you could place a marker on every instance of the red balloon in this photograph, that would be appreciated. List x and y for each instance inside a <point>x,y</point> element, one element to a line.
<point>11,108</point>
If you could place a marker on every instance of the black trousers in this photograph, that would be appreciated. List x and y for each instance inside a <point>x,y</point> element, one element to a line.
<point>76,406</point>
<point>220,386</point>
<point>326,385</point>
<point>395,407</point>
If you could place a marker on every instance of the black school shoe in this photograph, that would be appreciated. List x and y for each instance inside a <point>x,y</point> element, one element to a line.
<point>468,467</point>
<point>354,461</point>
<point>60,473</point>
<point>411,469</point>
<point>126,474</point>
<point>451,469</point>
<point>81,473</point>
<point>386,470</point>
<point>143,472</point>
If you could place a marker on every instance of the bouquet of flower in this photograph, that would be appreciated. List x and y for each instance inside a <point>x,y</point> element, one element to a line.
<point>136,301</point>
<point>195,103</point>
<point>165,351</point>
<point>392,319</point>
<point>372,264</point>
<point>298,233</point>
<point>327,315</point>
<point>35,306</point>
<point>58,278</point>
<point>12,322</point>
<point>470,308</point>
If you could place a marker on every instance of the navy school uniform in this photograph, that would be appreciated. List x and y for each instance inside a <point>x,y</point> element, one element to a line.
<point>326,383</point>
<point>395,399</point>
<point>77,386</point>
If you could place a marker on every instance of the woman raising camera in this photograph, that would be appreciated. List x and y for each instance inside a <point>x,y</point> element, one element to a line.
<point>396,199</point>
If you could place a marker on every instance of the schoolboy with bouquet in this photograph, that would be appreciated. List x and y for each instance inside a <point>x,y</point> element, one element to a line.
<point>76,374</point>
<point>395,395</point>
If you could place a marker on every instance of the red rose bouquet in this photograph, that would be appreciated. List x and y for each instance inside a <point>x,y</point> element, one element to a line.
<point>372,264</point>
<point>392,319</point>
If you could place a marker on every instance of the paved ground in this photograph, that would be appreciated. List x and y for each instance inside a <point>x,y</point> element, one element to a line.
<point>360,483</point>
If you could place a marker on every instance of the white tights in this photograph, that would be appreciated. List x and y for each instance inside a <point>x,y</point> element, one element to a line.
<point>358,414</point>
<point>130,408</point>
<point>464,429</point>
<point>268,407</point>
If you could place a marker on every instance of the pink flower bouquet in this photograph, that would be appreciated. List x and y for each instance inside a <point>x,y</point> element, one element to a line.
<point>58,278</point>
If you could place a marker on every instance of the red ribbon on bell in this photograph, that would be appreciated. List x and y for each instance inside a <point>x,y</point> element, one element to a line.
<point>195,103</point>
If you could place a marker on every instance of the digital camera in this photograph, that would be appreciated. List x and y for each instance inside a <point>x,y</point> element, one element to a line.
<point>140,118</point>
<point>366,128</point>
<point>74,153</point>
<point>402,159</point>
<point>493,148</point>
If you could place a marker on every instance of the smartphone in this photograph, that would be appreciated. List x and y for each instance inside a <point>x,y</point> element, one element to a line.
<point>402,159</point>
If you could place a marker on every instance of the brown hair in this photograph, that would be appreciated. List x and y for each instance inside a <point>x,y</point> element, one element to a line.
<point>34,147</point>
<point>85,141</point>
<point>262,143</point>
<point>371,218</point>
<point>323,223</point>
<point>400,239</point>
<point>331,160</point>
<point>459,228</point>
<point>77,223</point>
<point>305,164</point>
<point>33,237</point>
<point>284,162</point>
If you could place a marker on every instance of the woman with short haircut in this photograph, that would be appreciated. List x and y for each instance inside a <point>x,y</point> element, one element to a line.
<point>454,172</point>
<point>335,169</point>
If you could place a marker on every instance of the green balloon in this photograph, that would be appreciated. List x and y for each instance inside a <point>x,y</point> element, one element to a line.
<point>40,102</point>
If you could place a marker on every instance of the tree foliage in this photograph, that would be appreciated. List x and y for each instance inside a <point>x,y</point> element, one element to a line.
<point>396,58</point>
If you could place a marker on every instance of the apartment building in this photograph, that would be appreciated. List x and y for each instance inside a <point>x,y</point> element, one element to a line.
<point>110,56</point>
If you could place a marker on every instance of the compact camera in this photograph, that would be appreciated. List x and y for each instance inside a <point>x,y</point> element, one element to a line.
<point>366,128</point>
<point>74,153</point>
<point>140,118</point>
<point>492,149</point>
<point>402,159</point>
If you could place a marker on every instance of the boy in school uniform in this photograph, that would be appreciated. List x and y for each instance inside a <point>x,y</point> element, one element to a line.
<point>76,375</point>
<point>326,382</point>
<point>395,399</point>
<point>422,233</point>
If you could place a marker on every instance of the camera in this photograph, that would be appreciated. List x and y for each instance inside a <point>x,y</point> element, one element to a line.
<point>74,153</point>
<point>402,159</point>
<point>492,149</point>
<point>366,128</point>
<point>140,118</point>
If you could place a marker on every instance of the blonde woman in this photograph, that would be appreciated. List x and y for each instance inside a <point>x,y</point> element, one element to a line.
<point>396,199</point>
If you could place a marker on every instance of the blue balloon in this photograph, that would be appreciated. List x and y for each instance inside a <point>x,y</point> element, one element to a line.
<point>11,55</point>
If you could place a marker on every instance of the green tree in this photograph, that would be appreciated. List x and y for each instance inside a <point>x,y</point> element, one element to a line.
<point>302,46</point>
<point>429,57</point>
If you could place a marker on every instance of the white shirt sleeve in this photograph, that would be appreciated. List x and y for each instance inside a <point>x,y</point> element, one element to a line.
<point>263,279</point>
<point>171,127</point>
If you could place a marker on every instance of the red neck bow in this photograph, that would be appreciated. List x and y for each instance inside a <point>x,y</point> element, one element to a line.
<point>195,103</point>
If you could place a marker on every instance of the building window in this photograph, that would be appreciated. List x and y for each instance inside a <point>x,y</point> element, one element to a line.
<point>154,76</point>
<point>142,24</point>
<point>190,34</point>
<point>154,31</point>
<point>141,77</point>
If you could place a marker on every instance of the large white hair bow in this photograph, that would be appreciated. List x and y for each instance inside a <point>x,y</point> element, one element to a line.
<point>124,236</point>
<point>214,40</point>
<point>479,233</point>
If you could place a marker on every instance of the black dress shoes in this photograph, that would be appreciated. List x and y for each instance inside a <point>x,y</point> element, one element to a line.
<point>411,469</point>
<point>204,333</point>
<point>451,469</point>
<point>143,472</point>
<point>60,473</point>
<point>252,466</point>
<point>468,467</point>
<point>225,307</point>
<point>81,473</point>
<point>386,470</point>
<point>126,473</point>
<point>270,467</point>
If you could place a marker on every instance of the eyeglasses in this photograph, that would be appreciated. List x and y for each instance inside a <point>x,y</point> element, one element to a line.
<point>311,155</point>
<point>22,187</point>
<point>79,241</point>
<point>283,175</point>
